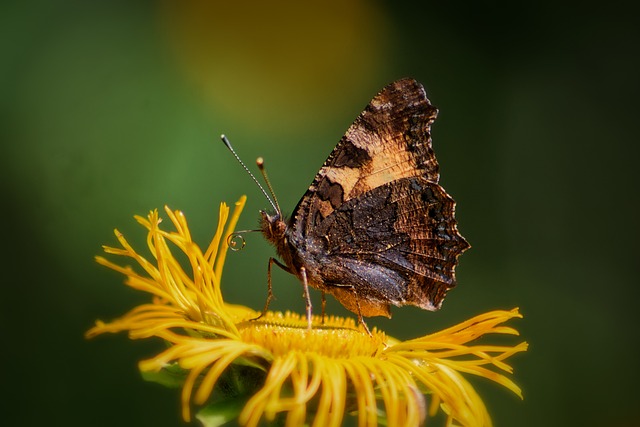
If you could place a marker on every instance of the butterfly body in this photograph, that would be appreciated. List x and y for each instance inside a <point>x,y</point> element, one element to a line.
<point>375,228</point>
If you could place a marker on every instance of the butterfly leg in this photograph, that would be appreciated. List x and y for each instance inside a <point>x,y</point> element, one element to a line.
<point>357,300</point>
<point>269,287</point>
<point>360,318</point>
<point>307,297</point>
<point>324,305</point>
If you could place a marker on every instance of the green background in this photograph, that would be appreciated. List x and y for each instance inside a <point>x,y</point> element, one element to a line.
<point>110,109</point>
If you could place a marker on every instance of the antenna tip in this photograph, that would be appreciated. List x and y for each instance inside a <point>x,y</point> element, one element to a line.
<point>260,162</point>
<point>224,139</point>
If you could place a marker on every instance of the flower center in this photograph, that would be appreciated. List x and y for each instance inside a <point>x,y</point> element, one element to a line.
<point>338,337</point>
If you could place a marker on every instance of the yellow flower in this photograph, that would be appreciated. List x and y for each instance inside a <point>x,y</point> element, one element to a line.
<point>274,368</point>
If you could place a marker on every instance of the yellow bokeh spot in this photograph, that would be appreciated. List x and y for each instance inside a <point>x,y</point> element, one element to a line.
<point>275,61</point>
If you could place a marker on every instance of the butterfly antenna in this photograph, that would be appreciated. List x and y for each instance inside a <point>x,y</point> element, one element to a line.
<point>274,205</point>
<point>263,171</point>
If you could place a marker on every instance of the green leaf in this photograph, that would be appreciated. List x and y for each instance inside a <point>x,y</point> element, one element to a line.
<point>171,376</point>
<point>221,412</point>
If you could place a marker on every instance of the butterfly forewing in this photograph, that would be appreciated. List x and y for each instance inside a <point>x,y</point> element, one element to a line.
<point>389,140</point>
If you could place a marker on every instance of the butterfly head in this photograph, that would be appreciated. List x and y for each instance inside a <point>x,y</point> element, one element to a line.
<point>272,226</point>
<point>274,229</point>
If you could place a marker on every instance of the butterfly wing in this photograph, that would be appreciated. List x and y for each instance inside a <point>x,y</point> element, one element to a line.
<point>397,243</point>
<point>389,140</point>
<point>375,228</point>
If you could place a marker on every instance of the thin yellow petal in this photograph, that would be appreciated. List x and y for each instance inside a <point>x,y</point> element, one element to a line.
<point>212,251</point>
<point>222,255</point>
<point>259,403</point>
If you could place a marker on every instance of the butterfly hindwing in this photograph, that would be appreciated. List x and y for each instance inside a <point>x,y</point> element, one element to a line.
<point>397,243</point>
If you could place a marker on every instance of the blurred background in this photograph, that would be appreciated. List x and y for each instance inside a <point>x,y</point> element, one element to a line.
<point>110,109</point>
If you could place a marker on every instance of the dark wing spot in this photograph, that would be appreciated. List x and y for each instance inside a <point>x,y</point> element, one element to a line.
<point>351,156</point>
<point>332,192</point>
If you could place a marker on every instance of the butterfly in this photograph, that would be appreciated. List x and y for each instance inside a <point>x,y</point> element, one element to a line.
<point>375,228</point>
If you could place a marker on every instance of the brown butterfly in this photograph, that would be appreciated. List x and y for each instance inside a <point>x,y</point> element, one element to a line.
<point>374,228</point>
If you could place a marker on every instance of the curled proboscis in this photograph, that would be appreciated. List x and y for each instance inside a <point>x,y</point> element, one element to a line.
<point>236,242</point>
